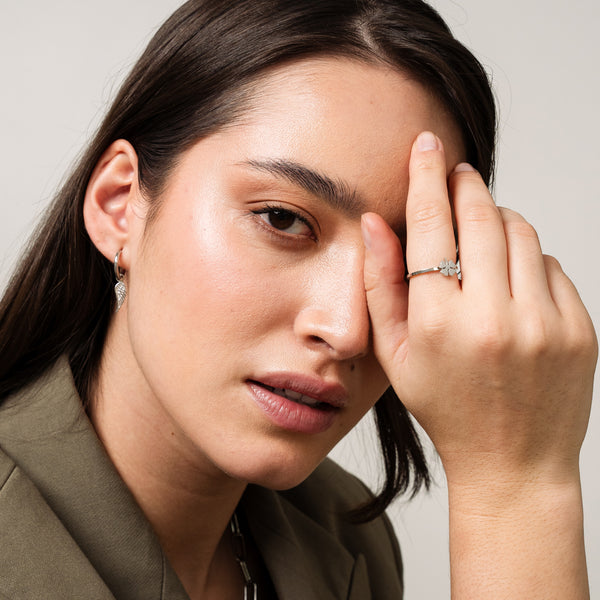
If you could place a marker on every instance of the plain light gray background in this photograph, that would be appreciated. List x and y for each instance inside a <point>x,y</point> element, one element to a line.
<point>62,61</point>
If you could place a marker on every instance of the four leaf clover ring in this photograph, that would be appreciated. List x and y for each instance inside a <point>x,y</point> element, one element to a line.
<point>446,268</point>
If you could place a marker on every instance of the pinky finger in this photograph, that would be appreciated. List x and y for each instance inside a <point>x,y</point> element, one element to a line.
<point>563,292</point>
<point>567,300</point>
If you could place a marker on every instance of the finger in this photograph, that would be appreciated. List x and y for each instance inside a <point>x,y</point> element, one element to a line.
<point>429,231</point>
<point>579,334</point>
<point>481,236</point>
<point>526,268</point>
<point>563,292</point>
<point>385,286</point>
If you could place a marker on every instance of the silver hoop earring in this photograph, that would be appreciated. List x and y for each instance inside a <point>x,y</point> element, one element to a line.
<point>120,288</point>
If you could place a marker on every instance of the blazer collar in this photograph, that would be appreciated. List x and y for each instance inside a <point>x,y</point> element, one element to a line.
<point>304,559</point>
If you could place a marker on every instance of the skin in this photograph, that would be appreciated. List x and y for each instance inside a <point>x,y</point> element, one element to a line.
<point>217,295</point>
<point>510,355</point>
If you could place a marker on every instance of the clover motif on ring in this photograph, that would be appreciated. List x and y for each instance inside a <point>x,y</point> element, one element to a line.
<point>447,268</point>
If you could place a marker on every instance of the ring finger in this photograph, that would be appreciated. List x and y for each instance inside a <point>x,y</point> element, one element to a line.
<point>429,229</point>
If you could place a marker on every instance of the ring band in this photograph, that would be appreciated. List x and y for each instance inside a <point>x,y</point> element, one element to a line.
<point>446,268</point>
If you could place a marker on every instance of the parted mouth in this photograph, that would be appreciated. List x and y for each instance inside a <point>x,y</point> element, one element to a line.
<point>297,397</point>
<point>303,389</point>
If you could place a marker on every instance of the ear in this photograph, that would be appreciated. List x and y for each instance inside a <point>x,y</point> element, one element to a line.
<point>110,200</point>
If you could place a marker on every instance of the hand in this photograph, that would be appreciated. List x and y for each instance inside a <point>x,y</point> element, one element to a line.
<point>498,369</point>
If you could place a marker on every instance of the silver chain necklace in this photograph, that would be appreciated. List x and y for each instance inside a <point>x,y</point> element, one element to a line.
<point>239,549</point>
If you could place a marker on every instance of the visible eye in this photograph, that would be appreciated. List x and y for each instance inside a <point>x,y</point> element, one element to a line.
<point>285,221</point>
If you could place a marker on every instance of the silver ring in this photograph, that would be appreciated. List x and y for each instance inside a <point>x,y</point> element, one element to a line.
<point>446,268</point>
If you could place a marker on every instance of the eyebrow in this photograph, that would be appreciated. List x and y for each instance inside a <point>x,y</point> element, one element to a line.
<point>335,192</point>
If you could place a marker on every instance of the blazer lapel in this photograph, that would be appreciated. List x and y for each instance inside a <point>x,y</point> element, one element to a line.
<point>305,561</point>
<point>44,430</point>
<point>36,551</point>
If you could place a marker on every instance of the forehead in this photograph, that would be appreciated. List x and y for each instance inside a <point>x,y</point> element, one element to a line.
<point>348,120</point>
<point>351,120</point>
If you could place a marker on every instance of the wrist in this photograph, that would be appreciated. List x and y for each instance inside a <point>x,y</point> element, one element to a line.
<point>513,538</point>
<point>498,493</point>
<point>513,473</point>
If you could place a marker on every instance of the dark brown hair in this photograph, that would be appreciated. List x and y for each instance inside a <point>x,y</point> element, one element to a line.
<point>187,84</point>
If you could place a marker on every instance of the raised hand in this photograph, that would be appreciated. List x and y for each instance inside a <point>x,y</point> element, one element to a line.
<point>497,368</point>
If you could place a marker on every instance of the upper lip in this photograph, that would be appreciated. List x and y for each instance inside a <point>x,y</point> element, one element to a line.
<point>331,393</point>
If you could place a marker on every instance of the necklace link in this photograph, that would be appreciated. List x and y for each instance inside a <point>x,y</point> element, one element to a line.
<point>239,549</point>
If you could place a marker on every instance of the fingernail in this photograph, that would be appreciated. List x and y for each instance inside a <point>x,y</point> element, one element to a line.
<point>427,141</point>
<point>364,226</point>
<point>463,168</point>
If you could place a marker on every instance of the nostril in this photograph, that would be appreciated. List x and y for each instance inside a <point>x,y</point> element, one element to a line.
<point>318,340</point>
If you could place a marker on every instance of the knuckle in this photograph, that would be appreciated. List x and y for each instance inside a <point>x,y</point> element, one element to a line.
<point>428,161</point>
<point>538,335</point>
<point>521,229</point>
<point>509,213</point>
<point>552,264</point>
<point>467,175</point>
<point>427,218</point>
<point>478,213</point>
<point>371,281</point>
<point>432,325</point>
<point>469,181</point>
<point>491,337</point>
<point>582,342</point>
<point>382,279</point>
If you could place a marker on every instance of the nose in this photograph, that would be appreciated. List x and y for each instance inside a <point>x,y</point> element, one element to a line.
<point>334,315</point>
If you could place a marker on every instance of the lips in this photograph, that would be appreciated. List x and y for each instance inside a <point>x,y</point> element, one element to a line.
<point>298,402</point>
<point>305,389</point>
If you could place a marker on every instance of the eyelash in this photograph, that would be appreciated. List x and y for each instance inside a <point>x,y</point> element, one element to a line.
<point>275,208</point>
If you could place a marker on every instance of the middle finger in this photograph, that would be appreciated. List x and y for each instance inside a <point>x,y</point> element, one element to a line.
<point>482,241</point>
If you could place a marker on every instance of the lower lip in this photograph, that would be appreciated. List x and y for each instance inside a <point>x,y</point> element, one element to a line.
<point>291,415</point>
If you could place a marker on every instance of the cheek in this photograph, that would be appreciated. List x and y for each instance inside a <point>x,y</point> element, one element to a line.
<point>203,288</point>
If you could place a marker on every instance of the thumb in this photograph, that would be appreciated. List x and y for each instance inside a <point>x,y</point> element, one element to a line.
<point>386,290</point>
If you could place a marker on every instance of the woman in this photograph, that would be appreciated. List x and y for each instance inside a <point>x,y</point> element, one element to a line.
<point>259,316</point>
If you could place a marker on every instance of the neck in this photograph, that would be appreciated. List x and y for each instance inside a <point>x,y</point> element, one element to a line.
<point>186,498</point>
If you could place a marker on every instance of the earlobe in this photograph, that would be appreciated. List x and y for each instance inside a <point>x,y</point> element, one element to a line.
<point>110,197</point>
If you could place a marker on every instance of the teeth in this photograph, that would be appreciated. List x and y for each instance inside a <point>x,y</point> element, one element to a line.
<point>291,394</point>
<point>296,396</point>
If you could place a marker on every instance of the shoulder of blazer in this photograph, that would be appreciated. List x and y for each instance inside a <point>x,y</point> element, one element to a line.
<point>37,554</point>
<point>69,526</point>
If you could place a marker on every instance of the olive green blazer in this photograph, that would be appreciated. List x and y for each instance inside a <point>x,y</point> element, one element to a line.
<point>69,527</point>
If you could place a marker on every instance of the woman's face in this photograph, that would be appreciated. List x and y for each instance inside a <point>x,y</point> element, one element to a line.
<point>250,279</point>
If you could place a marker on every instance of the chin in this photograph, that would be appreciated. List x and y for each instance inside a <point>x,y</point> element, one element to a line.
<point>277,470</point>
